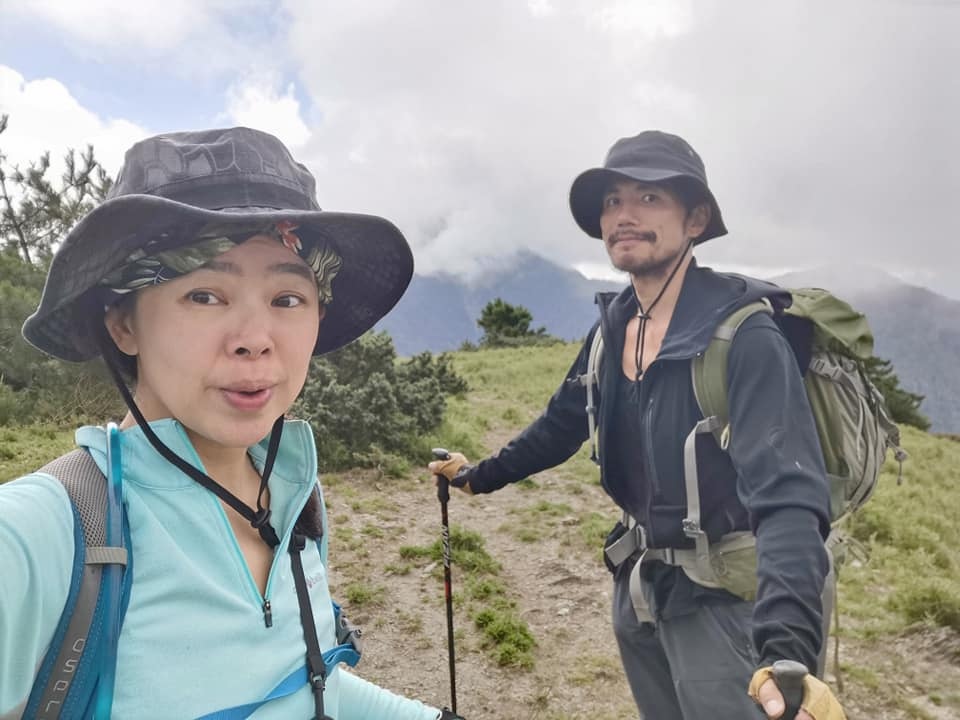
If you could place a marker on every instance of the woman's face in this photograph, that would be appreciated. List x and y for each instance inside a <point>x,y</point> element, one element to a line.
<point>224,349</point>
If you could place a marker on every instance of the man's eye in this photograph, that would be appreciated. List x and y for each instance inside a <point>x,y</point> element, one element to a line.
<point>288,301</point>
<point>611,201</point>
<point>203,297</point>
<point>649,197</point>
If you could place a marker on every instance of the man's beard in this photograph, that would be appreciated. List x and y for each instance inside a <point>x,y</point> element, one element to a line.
<point>651,268</point>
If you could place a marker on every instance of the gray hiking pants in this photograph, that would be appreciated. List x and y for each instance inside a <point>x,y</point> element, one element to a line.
<point>693,667</point>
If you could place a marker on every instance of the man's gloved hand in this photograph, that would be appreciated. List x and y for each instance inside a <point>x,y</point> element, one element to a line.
<point>446,714</point>
<point>819,702</point>
<point>456,469</point>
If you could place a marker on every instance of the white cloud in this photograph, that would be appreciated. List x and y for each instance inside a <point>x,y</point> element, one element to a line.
<point>472,119</point>
<point>466,122</point>
<point>45,116</point>
<point>540,8</point>
<point>650,18</point>
<point>257,102</point>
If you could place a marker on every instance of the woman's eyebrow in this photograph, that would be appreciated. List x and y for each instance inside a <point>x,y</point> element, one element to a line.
<point>293,268</point>
<point>284,267</point>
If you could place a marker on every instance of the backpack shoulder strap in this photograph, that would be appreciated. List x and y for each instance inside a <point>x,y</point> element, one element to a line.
<point>65,683</point>
<point>709,370</point>
<point>591,380</point>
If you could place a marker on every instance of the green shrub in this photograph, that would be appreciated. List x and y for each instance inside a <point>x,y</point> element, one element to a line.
<point>935,600</point>
<point>359,594</point>
<point>366,408</point>
<point>509,635</point>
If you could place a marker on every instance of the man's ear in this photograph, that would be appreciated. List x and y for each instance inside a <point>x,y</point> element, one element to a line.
<point>697,220</point>
<point>117,322</point>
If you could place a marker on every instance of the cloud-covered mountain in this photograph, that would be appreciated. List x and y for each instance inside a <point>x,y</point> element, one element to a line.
<point>440,312</point>
<point>914,328</point>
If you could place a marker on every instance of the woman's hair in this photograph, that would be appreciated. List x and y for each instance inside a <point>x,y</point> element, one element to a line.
<point>111,354</point>
<point>310,522</point>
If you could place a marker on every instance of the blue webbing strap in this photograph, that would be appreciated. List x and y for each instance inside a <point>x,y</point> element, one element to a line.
<point>113,575</point>
<point>289,685</point>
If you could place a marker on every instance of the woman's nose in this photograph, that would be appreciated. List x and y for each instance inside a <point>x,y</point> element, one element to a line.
<point>252,336</point>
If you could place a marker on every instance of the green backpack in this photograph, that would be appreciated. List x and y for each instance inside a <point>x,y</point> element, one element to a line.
<point>851,417</point>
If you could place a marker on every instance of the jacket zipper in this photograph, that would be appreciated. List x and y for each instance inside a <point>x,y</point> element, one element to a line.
<point>647,450</point>
<point>646,410</point>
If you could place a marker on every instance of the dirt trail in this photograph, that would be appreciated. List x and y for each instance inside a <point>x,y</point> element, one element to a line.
<point>562,591</point>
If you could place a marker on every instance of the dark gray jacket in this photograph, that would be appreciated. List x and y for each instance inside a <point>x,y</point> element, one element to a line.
<point>772,481</point>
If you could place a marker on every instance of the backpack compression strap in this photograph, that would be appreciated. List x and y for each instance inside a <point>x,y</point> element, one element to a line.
<point>68,664</point>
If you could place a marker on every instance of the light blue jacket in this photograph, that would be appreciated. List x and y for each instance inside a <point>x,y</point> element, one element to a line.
<point>194,639</point>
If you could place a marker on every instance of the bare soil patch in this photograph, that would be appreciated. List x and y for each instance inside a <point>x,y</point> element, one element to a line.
<point>562,590</point>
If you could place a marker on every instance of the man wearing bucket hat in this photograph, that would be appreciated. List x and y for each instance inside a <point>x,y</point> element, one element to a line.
<point>207,279</point>
<point>689,650</point>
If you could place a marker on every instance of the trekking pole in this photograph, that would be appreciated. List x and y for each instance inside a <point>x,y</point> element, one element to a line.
<point>789,675</point>
<point>443,495</point>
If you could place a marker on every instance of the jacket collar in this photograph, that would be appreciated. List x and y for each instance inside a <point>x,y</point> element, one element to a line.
<point>296,461</point>
<point>706,299</point>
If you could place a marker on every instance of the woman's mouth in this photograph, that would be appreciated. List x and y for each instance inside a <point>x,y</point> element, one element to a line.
<point>247,399</point>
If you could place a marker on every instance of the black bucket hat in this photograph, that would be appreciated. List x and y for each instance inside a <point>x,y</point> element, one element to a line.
<point>653,157</point>
<point>170,188</point>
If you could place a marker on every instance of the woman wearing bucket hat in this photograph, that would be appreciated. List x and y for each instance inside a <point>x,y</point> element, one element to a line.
<point>207,279</point>
<point>689,643</point>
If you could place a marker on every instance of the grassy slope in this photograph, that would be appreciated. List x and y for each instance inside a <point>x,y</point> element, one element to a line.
<point>900,585</point>
<point>910,587</point>
<point>24,449</point>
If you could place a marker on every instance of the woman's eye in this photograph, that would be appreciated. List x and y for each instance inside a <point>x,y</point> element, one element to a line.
<point>203,297</point>
<point>610,201</point>
<point>649,197</point>
<point>288,301</point>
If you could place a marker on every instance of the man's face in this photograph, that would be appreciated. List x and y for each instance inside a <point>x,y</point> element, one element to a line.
<point>646,228</point>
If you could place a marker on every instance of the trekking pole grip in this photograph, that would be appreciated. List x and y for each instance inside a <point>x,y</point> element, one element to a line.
<point>443,485</point>
<point>789,675</point>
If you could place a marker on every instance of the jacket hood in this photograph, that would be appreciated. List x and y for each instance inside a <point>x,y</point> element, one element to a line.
<point>706,299</point>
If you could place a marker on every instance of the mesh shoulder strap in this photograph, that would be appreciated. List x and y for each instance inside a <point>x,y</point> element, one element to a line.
<point>709,369</point>
<point>66,663</point>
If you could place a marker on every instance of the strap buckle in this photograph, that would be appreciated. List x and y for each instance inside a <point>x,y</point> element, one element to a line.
<point>316,671</point>
<point>297,542</point>
<point>634,540</point>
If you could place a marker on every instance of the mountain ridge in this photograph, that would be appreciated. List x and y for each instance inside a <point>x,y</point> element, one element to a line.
<point>915,328</point>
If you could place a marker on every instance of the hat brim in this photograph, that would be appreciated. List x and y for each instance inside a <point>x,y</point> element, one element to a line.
<point>586,197</point>
<point>377,265</point>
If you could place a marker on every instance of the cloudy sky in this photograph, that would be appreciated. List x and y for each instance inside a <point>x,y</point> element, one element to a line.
<point>829,129</point>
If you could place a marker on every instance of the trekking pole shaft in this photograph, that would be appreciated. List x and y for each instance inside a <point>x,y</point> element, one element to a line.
<point>443,495</point>
<point>448,598</point>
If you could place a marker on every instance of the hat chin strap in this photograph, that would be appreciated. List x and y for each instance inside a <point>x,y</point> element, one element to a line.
<point>259,518</point>
<point>643,314</point>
